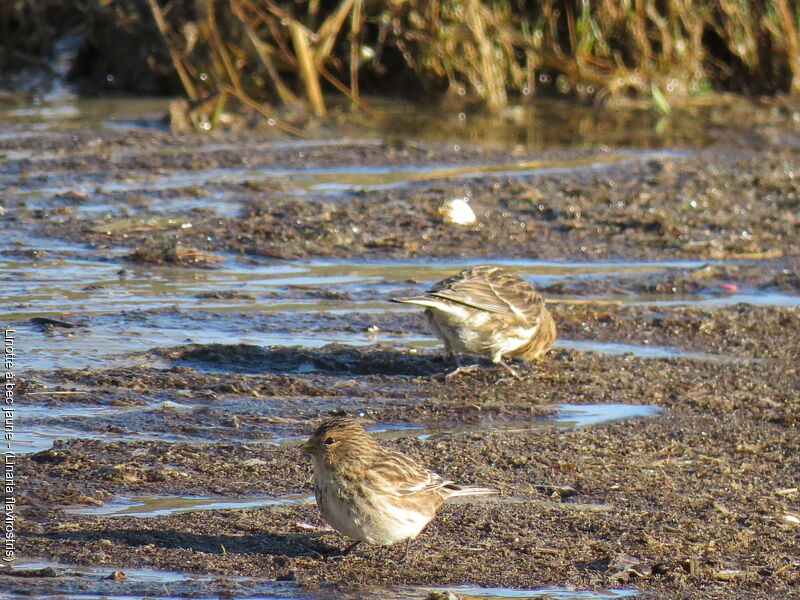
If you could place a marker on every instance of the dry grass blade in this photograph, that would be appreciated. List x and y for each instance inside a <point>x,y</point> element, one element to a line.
<point>789,20</point>
<point>329,29</point>
<point>242,97</point>
<point>186,81</point>
<point>491,79</point>
<point>219,46</point>
<point>355,31</point>
<point>330,78</point>
<point>489,51</point>
<point>259,47</point>
<point>308,69</point>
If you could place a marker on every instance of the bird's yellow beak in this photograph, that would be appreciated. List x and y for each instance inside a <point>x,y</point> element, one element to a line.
<point>307,447</point>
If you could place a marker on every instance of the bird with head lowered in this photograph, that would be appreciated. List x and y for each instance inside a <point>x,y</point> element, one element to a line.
<point>490,312</point>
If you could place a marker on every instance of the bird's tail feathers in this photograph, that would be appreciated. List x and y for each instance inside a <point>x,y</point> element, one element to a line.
<point>420,301</point>
<point>466,490</point>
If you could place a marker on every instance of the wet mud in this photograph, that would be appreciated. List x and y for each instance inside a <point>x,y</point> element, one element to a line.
<point>636,211</point>
<point>216,323</point>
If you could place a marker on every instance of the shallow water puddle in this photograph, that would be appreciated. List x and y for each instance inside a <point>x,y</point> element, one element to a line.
<point>159,149</point>
<point>60,284</point>
<point>745,296</point>
<point>54,286</point>
<point>328,181</point>
<point>566,416</point>
<point>122,309</point>
<point>78,582</point>
<point>643,350</point>
<point>109,342</point>
<point>465,592</point>
<point>596,414</point>
<point>144,575</point>
<point>159,506</point>
<point>42,425</point>
<point>70,279</point>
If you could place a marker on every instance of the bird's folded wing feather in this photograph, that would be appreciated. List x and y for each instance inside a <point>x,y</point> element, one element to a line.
<point>500,295</point>
<point>397,475</point>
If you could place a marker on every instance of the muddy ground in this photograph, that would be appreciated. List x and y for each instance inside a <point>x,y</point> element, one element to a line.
<point>701,501</point>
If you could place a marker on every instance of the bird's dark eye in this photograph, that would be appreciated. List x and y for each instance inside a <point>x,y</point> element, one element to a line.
<point>329,440</point>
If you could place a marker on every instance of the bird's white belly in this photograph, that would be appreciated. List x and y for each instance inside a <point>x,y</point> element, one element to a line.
<point>377,522</point>
<point>471,333</point>
<point>515,340</point>
<point>398,524</point>
<point>462,329</point>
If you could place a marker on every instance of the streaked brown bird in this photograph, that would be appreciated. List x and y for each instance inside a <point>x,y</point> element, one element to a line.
<point>489,312</point>
<point>372,494</point>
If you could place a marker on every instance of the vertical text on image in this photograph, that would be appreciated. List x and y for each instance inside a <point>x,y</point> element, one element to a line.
<point>9,458</point>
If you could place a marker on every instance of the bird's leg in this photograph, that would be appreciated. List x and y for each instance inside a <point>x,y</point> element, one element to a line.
<point>467,369</point>
<point>457,359</point>
<point>404,558</point>
<point>451,354</point>
<point>350,548</point>
<point>499,361</point>
<point>315,553</point>
<point>342,553</point>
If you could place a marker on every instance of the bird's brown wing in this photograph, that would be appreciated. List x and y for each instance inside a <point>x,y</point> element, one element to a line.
<point>397,475</point>
<point>491,289</point>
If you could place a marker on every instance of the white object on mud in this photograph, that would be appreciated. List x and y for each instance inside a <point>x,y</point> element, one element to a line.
<point>458,211</point>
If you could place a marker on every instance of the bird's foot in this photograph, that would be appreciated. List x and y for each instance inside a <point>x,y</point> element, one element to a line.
<point>505,365</point>
<point>404,558</point>
<point>460,370</point>
<point>349,549</point>
<point>338,554</point>
<point>315,553</point>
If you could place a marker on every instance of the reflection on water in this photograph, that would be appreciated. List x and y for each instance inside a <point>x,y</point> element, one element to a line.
<point>42,425</point>
<point>594,414</point>
<point>643,350</point>
<point>79,582</point>
<point>466,591</point>
<point>565,416</point>
<point>120,309</point>
<point>324,183</point>
<point>158,506</point>
<point>61,581</point>
<point>544,123</point>
<point>548,123</point>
